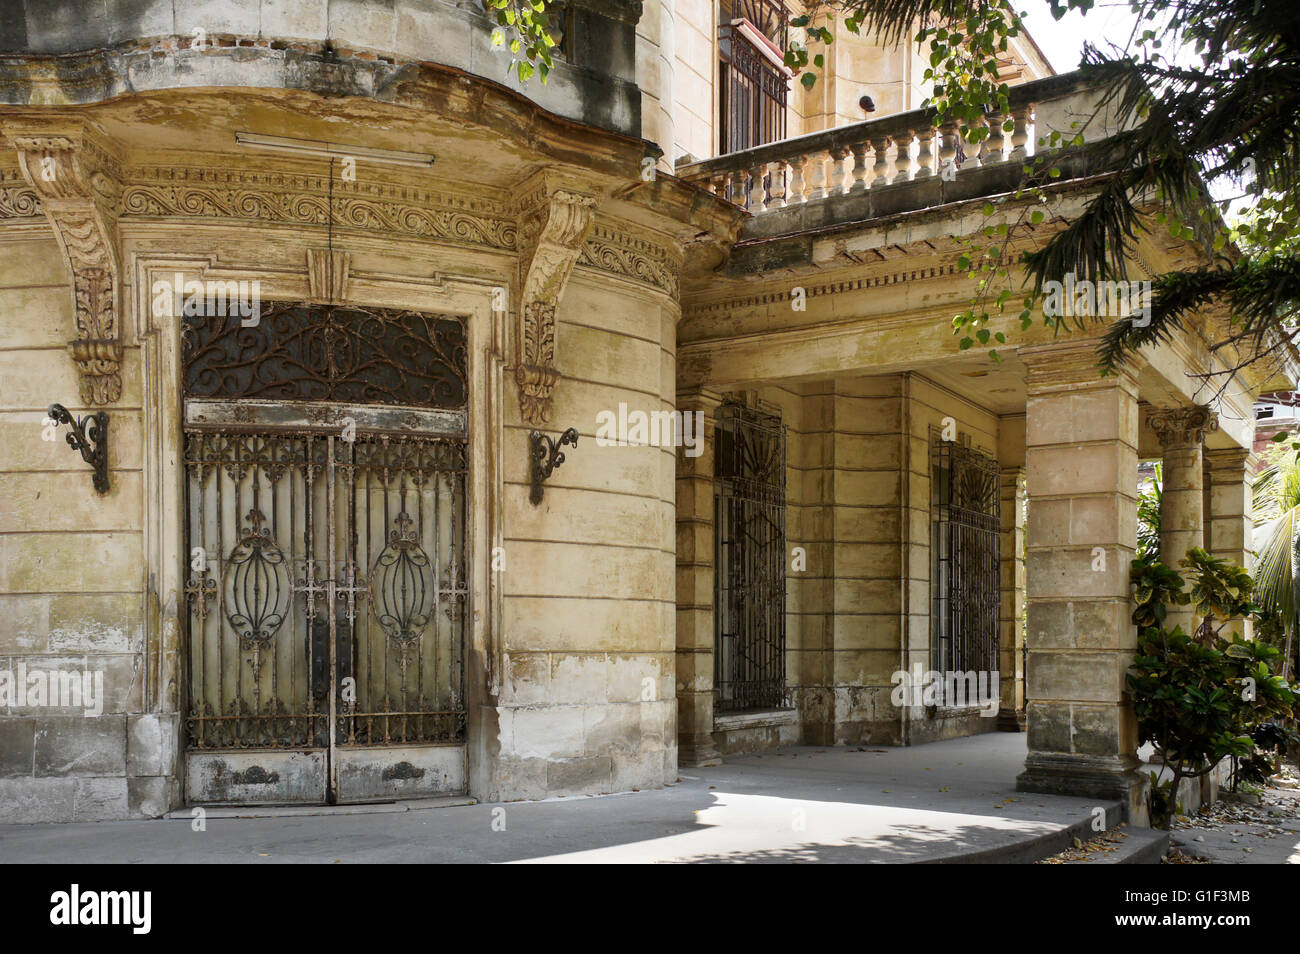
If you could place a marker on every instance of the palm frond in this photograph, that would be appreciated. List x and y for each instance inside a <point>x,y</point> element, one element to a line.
<point>1275,566</point>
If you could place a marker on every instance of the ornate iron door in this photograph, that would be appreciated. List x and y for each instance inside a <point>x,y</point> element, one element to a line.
<point>327,589</point>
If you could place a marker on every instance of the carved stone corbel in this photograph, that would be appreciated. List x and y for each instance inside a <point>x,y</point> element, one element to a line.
<point>78,182</point>
<point>552,229</point>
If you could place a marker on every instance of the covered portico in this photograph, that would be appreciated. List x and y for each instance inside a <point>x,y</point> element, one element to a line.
<point>833,318</point>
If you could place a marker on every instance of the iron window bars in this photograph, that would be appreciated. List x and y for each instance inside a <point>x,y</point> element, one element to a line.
<point>753,91</point>
<point>749,567</point>
<point>965,553</point>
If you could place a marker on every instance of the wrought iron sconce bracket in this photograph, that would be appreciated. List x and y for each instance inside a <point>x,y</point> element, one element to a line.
<point>544,455</point>
<point>89,435</point>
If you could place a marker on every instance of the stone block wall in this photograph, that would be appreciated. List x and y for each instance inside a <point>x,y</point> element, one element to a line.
<point>72,596</point>
<point>810,592</point>
<point>587,701</point>
<point>867,594</point>
<point>587,697</point>
<point>695,69</point>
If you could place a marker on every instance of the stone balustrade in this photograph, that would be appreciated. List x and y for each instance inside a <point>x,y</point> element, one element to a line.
<point>901,148</point>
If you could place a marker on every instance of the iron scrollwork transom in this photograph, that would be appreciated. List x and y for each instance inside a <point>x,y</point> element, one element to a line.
<point>349,354</point>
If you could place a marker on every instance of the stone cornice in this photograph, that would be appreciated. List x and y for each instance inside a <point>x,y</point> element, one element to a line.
<point>1231,459</point>
<point>877,279</point>
<point>327,68</point>
<point>1070,366</point>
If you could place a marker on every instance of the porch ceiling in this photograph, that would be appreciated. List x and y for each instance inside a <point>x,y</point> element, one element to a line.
<point>998,388</point>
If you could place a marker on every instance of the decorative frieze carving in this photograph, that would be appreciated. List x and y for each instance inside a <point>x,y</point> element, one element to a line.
<point>615,252</point>
<point>402,210</point>
<point>77,181</point>
<point>1182,425</point>
<point>552,230</point>
<point>305,199</point>
<point>17,199</point>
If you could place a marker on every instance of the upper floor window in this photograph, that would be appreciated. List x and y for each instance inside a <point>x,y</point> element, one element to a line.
<point>753,82</point>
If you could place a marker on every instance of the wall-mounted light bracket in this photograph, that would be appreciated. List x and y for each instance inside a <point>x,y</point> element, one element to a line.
<point>89,435</point>
<point>544,455</point>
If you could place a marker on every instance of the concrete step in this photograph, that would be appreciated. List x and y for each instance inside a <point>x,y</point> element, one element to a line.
<point>1125,846</point>
<point>1027,850</point>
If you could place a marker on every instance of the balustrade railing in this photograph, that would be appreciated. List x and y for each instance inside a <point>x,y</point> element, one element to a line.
<point>900,148</point>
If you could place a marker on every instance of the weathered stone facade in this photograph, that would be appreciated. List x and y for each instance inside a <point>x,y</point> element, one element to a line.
<point>584,284</point>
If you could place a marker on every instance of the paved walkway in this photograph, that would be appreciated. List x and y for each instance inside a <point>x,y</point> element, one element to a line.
<point>943,801</point>
<point>1262,830</point>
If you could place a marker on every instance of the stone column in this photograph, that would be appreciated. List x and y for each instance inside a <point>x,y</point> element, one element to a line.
<point>695,557</point>
<point>1012,559</point>
<point>1207,507</point>
<point>1230,522</point>
<point>1081,480</point>
<point>1181,431</point>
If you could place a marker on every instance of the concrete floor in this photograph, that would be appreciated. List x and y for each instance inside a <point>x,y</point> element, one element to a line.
<point>943,801</point>
<point>1263,831</point>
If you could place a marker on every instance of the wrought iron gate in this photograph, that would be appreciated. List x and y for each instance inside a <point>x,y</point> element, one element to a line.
<point>965,579</point>
<point>749,567</point>
<point>328,542</point>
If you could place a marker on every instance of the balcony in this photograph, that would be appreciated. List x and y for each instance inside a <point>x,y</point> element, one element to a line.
<point>900,163</point>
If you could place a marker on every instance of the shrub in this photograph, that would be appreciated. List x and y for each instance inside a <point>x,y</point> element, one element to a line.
<point>1203,697</point>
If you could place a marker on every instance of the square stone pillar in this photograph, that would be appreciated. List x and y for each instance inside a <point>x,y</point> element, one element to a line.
<point>1229,520</point>
<point>1010,637</point>
<point>695,591</point>
<point>1181,431</point>
<point>1081,481</point>
<point>1231,525</point>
